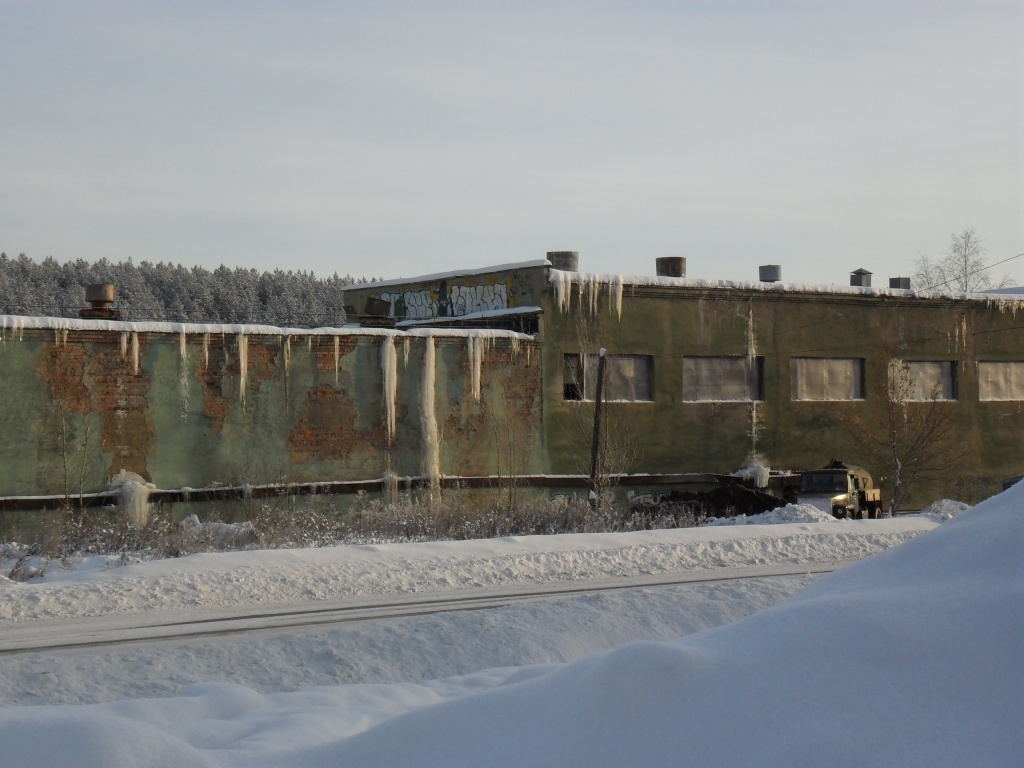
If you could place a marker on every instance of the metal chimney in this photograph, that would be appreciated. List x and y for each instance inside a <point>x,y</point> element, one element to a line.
<point>100,296</point>
<point>670,266</point>
<point>770,273</point>
<point>861,278</point>
<point>567,261</point>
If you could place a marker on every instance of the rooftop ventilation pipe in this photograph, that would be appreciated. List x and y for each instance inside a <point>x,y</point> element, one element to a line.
<point>567,261</point>
<point>100,296</point>
<point>903,283</point>
<point>670,266</point>
<point>769,273</point>
<point>860,278</point>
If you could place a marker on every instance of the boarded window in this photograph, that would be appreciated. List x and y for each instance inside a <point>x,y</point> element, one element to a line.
<point>1001,381</point>
<point>827,378</point>
<point>920,380</point>
<point>718,379</point>
<point>627,378</point>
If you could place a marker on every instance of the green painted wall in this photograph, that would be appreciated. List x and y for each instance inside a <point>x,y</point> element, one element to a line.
<point>77,409</point>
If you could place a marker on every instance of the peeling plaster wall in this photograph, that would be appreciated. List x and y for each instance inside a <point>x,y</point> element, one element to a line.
<point>669,322</point>
<point>255,408</point>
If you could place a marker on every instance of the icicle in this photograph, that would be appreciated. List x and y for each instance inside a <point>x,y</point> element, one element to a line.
<point>206,351</point>
<point>337,356</point>
<point>751,342</point>
<point>124,344</point>
<point>407,342</point>
<point>183,375</point>
<point>428,419</point>
<point>475,354</point>
<point>389,371</point>
<point>615,296</point>
<point>135,353</point>
<point>287,353</point>
<point>243,363</point>
<point>309,343</point>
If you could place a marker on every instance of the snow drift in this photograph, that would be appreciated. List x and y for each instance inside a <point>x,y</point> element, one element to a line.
<point>911,657</point>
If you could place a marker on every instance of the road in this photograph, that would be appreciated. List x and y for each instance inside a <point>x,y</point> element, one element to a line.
<point>159,627</point>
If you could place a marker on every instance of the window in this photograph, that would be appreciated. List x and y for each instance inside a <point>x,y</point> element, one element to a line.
<point>921,380</point>
<point>723,379</point>
<point>627,378</point>
<point>1001,381</point>
<point>827,378</point>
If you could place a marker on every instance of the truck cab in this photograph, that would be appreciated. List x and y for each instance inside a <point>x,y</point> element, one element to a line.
<point>842,490</point>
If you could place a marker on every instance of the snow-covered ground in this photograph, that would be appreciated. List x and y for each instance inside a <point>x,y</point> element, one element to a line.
<point>911,657</point>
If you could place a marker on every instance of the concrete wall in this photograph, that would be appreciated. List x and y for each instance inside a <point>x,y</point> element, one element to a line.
<point>238,406</point>
<point>670,322</point>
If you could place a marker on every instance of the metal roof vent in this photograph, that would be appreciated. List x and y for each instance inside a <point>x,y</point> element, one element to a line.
<point>670,266</point>
<point>903,283</point>
<point>770,273</point>
<point>100,296</point>
<point>861,278</point>
<point>567,261</point>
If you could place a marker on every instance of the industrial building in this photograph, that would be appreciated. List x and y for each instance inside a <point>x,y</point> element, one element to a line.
<point>476,375</point>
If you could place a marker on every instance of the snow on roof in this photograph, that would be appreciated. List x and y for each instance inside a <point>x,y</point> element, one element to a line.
<point>471,316</point>
<point>454,273</point>
<point>590,280</point>
<point>19,323</point>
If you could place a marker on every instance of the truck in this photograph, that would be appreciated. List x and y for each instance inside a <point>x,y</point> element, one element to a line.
<point>842,490</point>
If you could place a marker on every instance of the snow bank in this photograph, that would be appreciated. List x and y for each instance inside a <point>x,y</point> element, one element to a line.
<point>911,657</point>
<point>945,509</point>
<point>791,513</point>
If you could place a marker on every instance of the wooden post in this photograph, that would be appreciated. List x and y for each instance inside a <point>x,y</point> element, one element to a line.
<point>595,445</point>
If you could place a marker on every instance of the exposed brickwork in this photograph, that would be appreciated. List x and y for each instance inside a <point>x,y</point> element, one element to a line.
<point>325,428</point>
<point>63,369</point>
<point>121,397</point>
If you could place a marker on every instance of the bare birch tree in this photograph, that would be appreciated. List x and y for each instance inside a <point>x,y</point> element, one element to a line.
<point>961,268</point>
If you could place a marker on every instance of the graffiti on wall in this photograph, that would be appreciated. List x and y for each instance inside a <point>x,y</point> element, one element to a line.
<point>448,301</point>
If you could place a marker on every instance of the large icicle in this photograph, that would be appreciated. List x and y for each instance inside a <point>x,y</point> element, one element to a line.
<point>135,353</point>
<point>337,357</point>
<point>389,371</point>
<point>183,375</point>
<point>477,344</point>
<point>243,364</point>
<point>428,419</point>
<point>206,350</point>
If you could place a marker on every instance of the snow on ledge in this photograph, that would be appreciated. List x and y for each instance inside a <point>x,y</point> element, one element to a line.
<point>19,323</point>
<point>563,283</point>
<point>486,314</point>
<point>448,275</point>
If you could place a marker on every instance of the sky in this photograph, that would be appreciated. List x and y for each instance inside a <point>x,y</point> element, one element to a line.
<point>395,139</point>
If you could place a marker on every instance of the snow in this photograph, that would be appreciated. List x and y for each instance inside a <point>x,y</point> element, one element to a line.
<point>909,657</point>
<point>16,325</point>
<point>589,284</point>
<point>485,314</point>
<point>791,513</point>
<point>438,276</point>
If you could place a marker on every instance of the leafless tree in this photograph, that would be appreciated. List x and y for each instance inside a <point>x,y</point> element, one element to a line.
<point>913,441</point>
<point>961,268</point>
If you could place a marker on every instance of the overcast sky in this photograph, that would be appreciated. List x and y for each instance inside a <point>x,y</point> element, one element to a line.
<point>396,139</point>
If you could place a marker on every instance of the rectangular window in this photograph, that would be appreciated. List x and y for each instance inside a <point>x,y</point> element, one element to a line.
<point>627,378</point>
<point>723,379</point>
<point>1001,381</point>
<point>827,378</point>
<point>922,380</point>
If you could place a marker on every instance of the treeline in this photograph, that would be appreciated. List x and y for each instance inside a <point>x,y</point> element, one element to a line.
<point>172,292</point>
